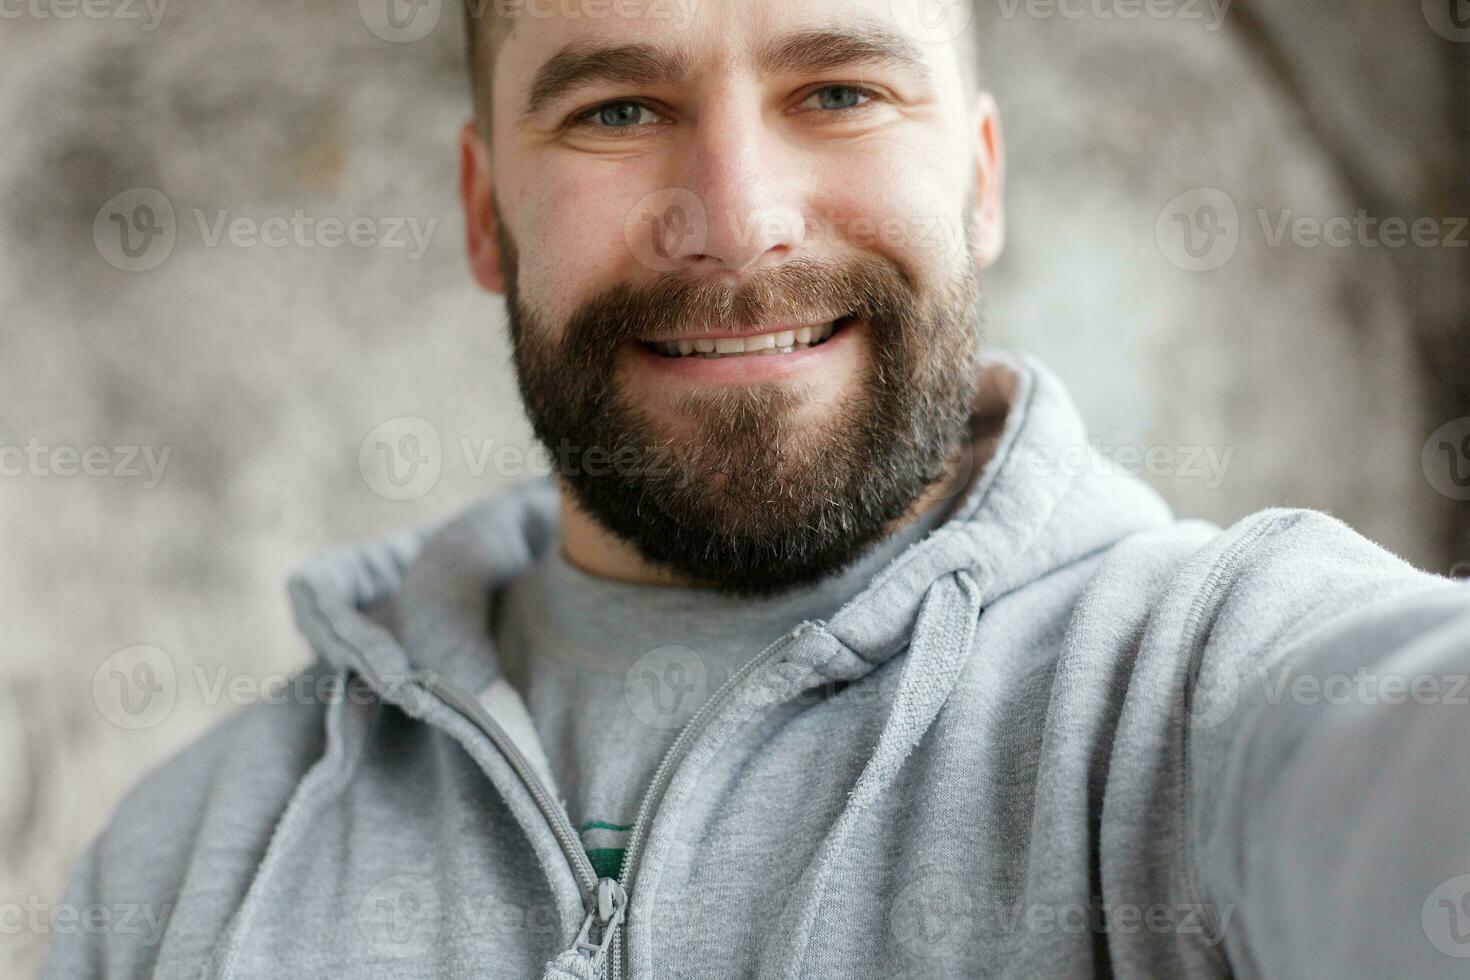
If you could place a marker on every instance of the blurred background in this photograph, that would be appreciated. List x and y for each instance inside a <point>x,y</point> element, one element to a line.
<point>232,287</point>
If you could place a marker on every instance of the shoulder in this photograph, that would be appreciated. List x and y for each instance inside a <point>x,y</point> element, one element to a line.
<point>1280,574</point>
<point>246,755</point>
<point>183,845</point>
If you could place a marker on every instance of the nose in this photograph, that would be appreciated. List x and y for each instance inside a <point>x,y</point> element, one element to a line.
<point>742,208</point>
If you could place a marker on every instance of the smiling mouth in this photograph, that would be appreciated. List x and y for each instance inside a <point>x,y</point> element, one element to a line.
<point>780,341</point>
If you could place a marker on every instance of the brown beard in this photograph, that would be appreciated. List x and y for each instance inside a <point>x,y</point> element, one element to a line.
<point>738,500</point>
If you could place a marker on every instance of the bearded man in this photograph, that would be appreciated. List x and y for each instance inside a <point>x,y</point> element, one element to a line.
<point>830,649</point>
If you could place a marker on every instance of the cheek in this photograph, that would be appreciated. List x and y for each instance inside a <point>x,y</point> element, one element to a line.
<point>901,203</point>
<point>572,242</point>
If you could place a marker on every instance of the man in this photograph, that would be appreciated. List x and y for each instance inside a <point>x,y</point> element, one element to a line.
<point>831,651</point>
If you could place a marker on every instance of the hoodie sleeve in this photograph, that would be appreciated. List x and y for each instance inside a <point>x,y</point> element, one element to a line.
<point>1329,753</point>
<point>112,918</point>
<point>80,955</point>
<point>160,882</point>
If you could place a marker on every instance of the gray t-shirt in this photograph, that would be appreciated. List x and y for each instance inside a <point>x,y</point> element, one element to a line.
<point>610,671</point>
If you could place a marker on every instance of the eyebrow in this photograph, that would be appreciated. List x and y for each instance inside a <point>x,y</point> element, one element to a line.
<point>802,52</point>
<point>581,64</point>
<point>823,49</point>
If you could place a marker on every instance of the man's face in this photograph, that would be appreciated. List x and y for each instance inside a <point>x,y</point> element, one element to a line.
<point>740,244</point>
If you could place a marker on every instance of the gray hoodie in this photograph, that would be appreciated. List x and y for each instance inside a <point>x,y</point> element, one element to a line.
<point>1064,735</point>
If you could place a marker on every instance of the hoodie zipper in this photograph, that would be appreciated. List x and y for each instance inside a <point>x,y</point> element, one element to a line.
<point>606,899</point>
<point>663,775</point>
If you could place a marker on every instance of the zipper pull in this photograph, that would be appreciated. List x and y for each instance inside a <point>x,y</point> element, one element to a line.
<point>607,913</point>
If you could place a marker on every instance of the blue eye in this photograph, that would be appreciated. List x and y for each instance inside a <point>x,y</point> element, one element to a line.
<point>620,115</point>
<point>837,97</point>
<point>618,118</point>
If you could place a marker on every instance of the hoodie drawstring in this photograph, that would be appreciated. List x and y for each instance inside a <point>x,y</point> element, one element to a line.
<point>939,646</point>
<point>943,637</point>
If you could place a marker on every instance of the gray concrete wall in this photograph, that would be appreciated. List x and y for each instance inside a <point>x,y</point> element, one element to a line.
<point>1314,375</point>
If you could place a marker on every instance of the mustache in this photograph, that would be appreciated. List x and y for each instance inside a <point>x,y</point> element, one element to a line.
<point>802,290</point>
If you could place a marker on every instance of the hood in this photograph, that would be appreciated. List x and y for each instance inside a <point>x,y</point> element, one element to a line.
<point>419,600</point>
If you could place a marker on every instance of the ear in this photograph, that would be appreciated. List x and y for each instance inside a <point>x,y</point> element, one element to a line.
<point>990,180</point>
<point>481,245</point>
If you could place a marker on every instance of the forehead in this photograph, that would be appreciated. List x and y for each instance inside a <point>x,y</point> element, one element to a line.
<point>711,37</point>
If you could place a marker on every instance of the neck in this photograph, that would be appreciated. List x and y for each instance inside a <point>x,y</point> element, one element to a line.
<point>590,546</point>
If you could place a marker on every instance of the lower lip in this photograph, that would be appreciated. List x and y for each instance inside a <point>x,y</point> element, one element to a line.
<point>750,367</point>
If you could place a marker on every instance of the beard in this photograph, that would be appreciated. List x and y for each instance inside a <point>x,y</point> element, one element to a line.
<point>736,495</point>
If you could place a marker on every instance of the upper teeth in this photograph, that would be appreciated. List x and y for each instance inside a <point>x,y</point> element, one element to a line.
<point>776,342</point>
